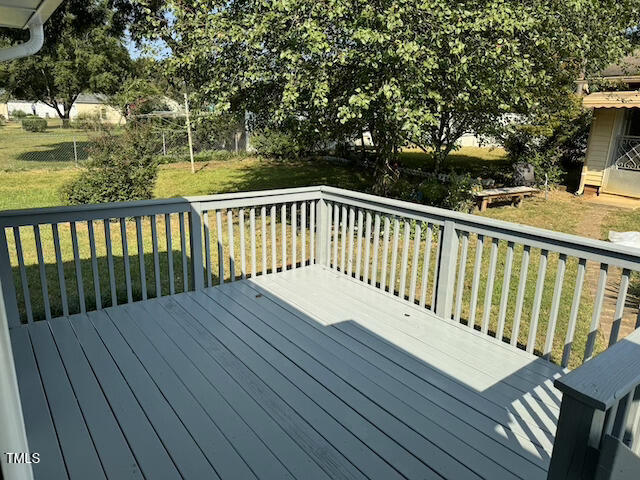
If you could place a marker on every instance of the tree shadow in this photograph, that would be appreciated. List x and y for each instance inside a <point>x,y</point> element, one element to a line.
<point>56,152</point>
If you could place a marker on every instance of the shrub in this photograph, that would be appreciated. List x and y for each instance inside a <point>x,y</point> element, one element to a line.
<point>34,124</point>
<point>18,114</point>
<point>552,139</point>
<point>120,168</point>
<point>276,144</point>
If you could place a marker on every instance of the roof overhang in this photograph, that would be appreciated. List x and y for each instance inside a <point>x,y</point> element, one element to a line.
<point>19,13</point>
<point>612,100</point>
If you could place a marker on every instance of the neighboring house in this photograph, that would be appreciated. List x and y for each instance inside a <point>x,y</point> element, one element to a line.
<point>612,163</point>
<point>87,104</point>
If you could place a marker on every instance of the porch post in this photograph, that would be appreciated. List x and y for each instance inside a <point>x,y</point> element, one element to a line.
<point>321,231</point>
<point>447,270</point>
<point>195,244</point>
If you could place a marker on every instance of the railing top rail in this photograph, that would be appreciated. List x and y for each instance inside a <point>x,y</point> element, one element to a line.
<point>605,379</point>
<point>31,216</point>
<point>574,245</point>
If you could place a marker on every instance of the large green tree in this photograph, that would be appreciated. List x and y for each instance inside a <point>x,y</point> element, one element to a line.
<point>421,72</point>
<point>83,51</point>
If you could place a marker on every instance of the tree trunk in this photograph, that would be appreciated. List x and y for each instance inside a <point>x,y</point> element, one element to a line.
<point>65,119</point>
<point>386,171</point>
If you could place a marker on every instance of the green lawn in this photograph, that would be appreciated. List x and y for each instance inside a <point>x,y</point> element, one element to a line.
<point>51,150</point>
<point>477,161</point>
<point>562,212</point>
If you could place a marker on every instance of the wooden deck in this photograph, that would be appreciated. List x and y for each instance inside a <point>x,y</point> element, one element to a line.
<point>303,374</point>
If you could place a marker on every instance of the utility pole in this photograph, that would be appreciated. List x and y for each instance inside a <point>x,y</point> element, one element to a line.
<point>186,107</point>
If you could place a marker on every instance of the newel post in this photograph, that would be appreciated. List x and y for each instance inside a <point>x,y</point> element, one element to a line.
<point>322,256</point>
<point>575,448</point>
<point>13,436</point>
<point>195,244</point>
<point>447,270</point>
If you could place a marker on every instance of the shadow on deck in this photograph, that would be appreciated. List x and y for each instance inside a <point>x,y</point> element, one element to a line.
<point>302,374</point>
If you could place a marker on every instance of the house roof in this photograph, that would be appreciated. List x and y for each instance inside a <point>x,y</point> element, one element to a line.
<point>612,100</point>
<point>18,13</point>
<point>628,67</point>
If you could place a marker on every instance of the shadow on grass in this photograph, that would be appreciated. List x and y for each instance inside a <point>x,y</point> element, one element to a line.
<point>56,152</point>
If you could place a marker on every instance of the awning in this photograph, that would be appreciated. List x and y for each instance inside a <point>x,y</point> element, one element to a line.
<point>18,13</point>
<point>612,100</point>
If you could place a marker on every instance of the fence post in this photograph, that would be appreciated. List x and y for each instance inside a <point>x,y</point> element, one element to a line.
<point>186,108</point>
<point>164,145</point>
<point>195,244</point>
<point>447,270</point>
<point>75,151</point>
<point>321,231</point>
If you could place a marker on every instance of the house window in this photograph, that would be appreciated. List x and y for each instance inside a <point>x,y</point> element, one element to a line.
<point>103,113</point>
<point>633,122</point>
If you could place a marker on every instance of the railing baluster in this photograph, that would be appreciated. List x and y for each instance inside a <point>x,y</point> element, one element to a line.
<point>232,256</point>
<point>195,246</point>
<point>43,274</point>
<point>461,274</point>
<point>367,247</point>
<point>597,311</point>
<point>555,305</point>
<point>336,232</point>
<point>125,258</point>
<point>573,315</point>
<point>23,275</point>
<point>283,219</point>
<point>394,256</point>
<point>504,297</point>
<point>426,262</point>
<point>522,283</point>
<point>417,239</point>
<point>488,297</point>
<point>156,255</point>
<point>385,253</point>
<point>243,258</point>
<point>359,246</point>
<point>219,234</point>
<point>436,276</point>
<point>376,246</point>
<point>343,239</point>
<point>143,275</point>
<point>167,229</point>
<point>60,267</point>
<point>620,303</point>
<point>252,234</point>
<point>9,300</point>
<point>294,235</point>
<point>312,233</point>
<point>352,221</point>
<point>274,253</point>
<point>183,247</point>
<point>112,276</point>
<point>327,235</point>
<point>94,265</point>
<point>475,283</point>
<point>207,248</point>
<point>263,218</point>
<point>77,263</point>
<point>537,301</point>
<point>405,260</point>
<point>303,234</point>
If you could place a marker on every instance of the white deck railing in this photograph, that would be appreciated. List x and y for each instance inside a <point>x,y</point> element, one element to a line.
<point>468,269</point>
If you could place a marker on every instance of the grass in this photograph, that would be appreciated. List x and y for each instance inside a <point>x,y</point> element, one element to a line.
<point>20,188</point>
<point>51,150</point>
<point>477,161</point>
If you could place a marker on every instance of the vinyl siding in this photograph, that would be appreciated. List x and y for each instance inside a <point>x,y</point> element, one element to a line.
<point>598,146</point>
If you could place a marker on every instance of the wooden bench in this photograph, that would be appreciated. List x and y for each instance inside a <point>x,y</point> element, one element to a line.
<point>516,194</point>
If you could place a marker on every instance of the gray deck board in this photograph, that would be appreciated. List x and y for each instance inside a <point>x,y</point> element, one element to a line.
<point>461,420</point>
<point>303,374</point>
